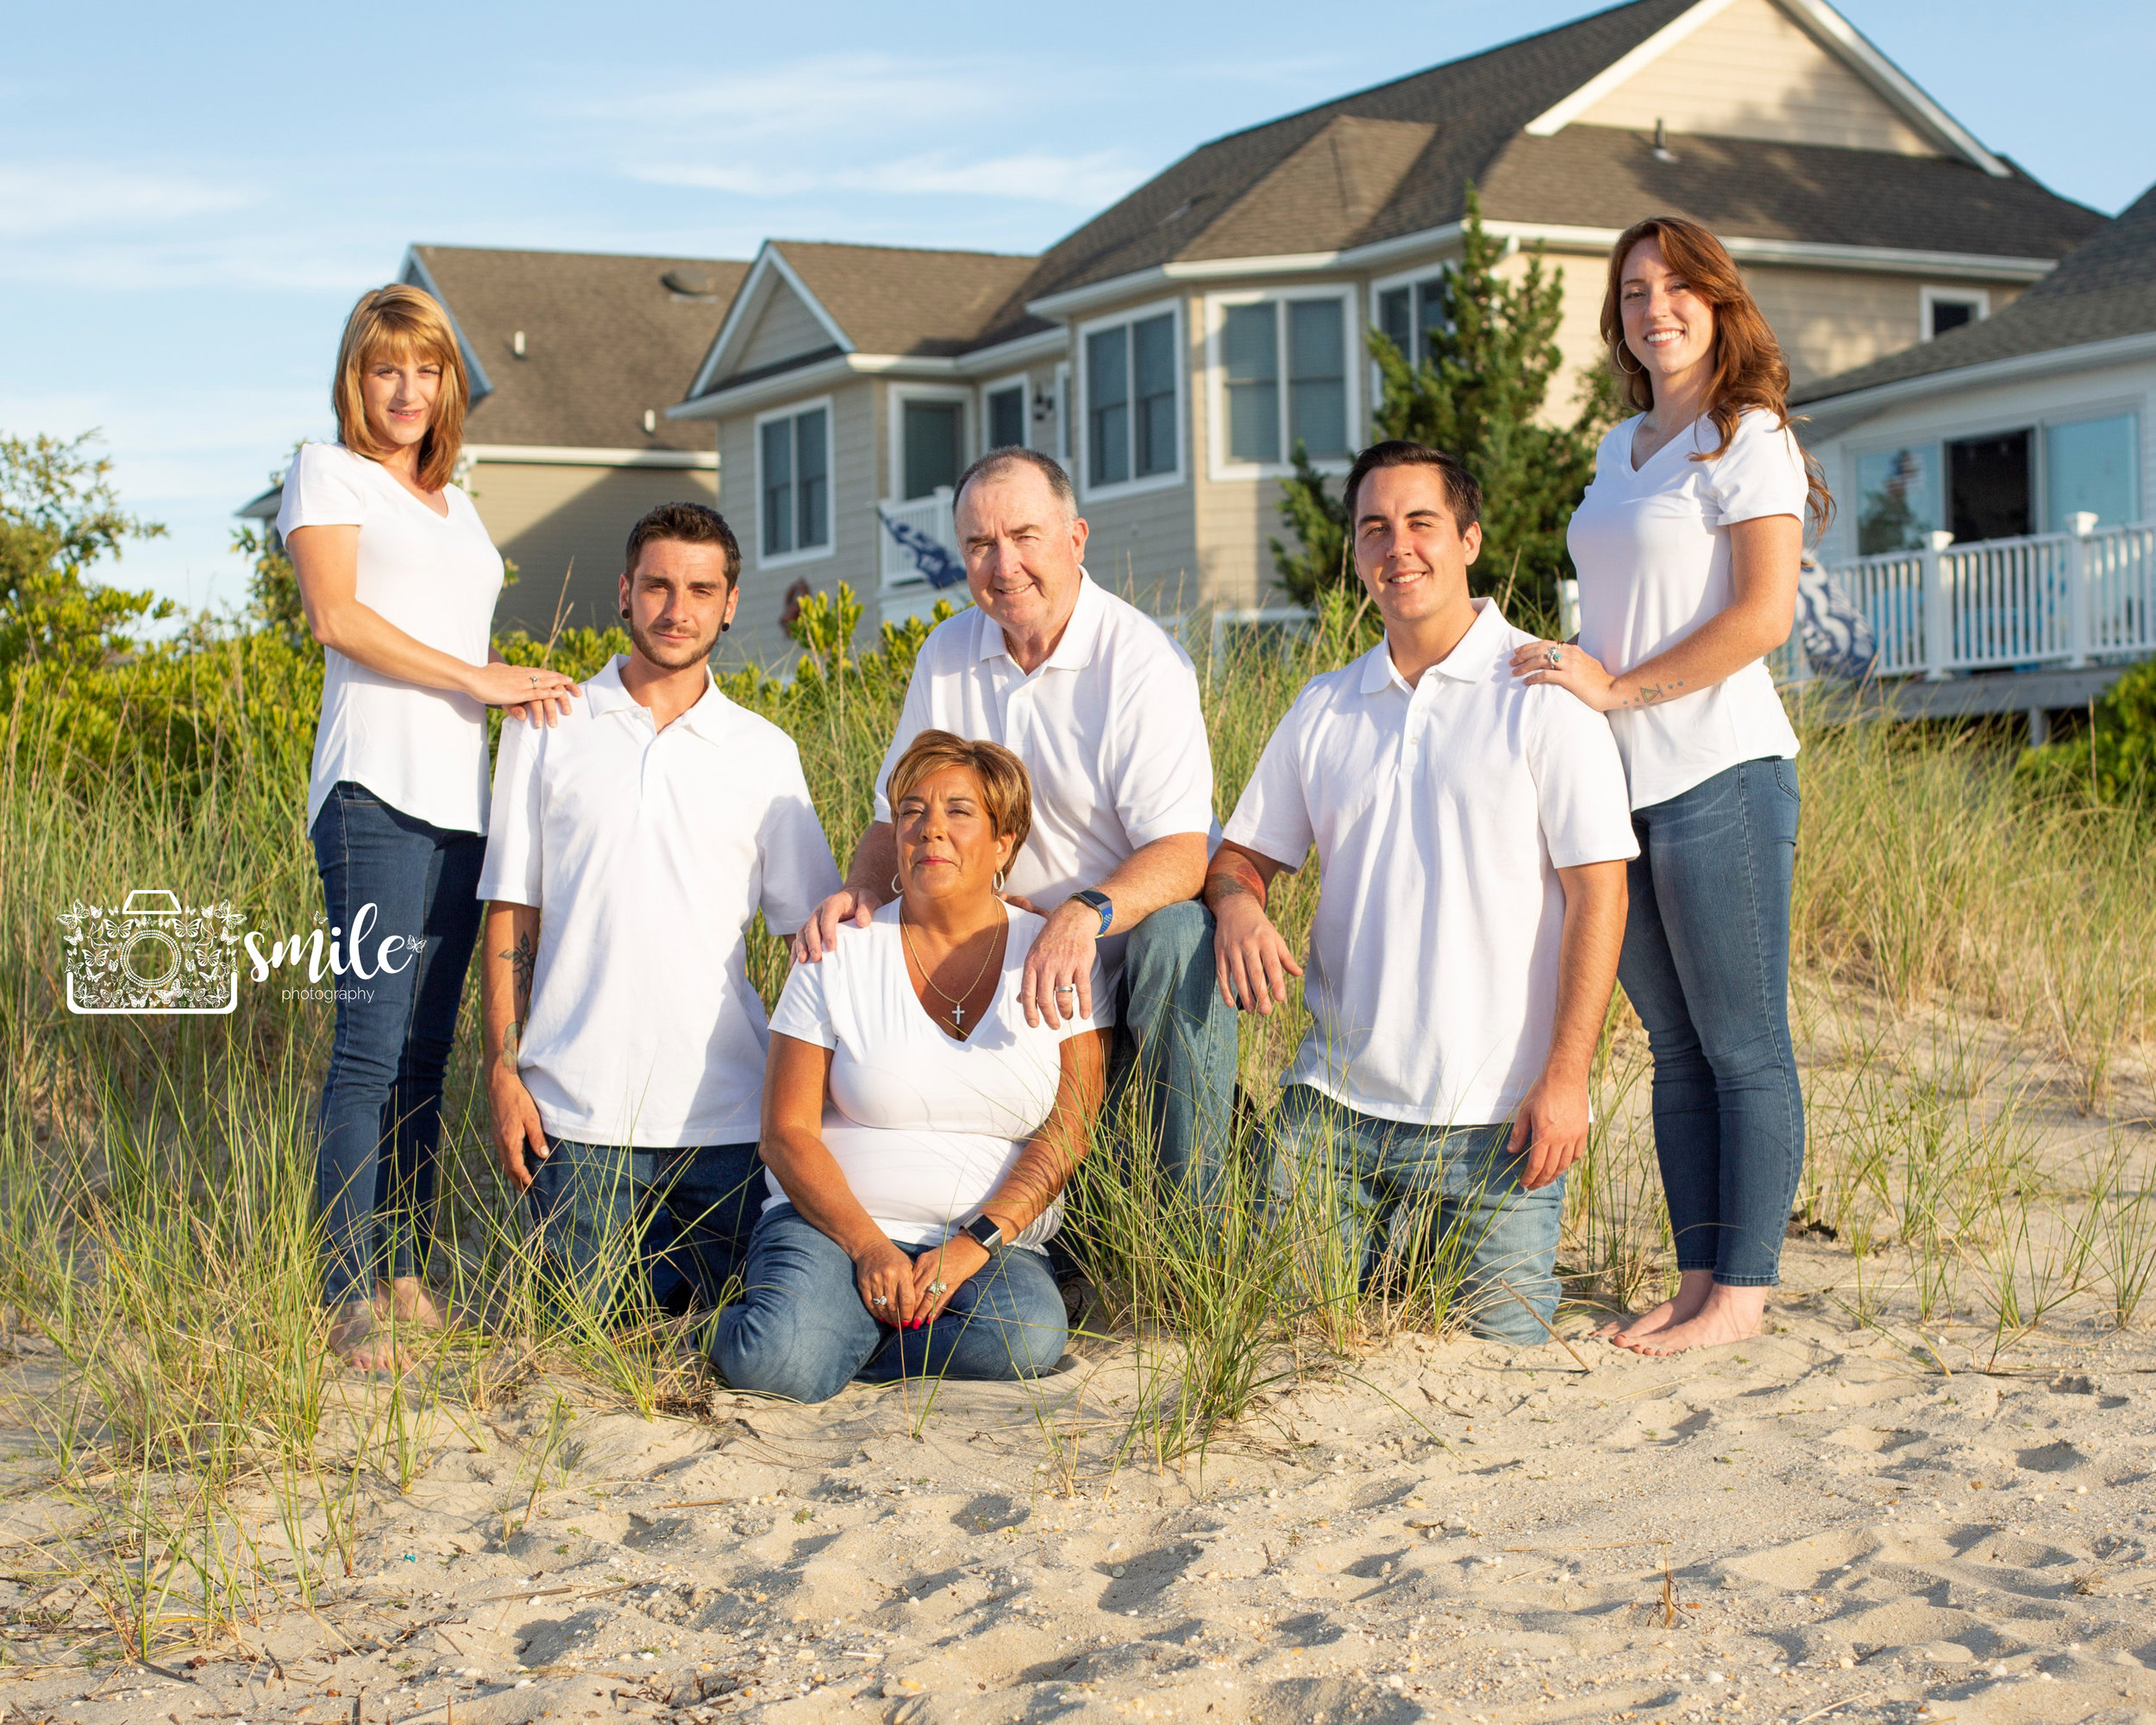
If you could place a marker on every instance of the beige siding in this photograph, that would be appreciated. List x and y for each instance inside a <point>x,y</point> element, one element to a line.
<point>784,328</point>
<point>756,635</point>
<point>556,520</point>
<point>1750,73</point>
<point>1143,544</point>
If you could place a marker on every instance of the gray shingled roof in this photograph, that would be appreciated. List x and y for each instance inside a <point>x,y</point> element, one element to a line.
<point>899,299</point>
<point>1302,184</point>
<point>2105,290</point>
<point>605,337</point>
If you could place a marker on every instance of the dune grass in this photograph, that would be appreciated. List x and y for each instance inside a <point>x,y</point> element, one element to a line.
<point>1970,956</point>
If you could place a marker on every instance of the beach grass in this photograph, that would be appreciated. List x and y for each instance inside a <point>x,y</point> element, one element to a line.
<point>1973,957</point>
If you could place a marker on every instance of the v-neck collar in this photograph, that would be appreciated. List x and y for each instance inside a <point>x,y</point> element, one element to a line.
<point>1675,438</point>
<point>1002,965</point>
<point>398,486</point>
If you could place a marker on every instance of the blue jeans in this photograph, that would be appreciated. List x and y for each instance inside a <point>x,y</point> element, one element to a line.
<point>1388,1177</point>
<point>1174,1045</point>
<point>799,1329</point>
<point>1706,965</point>
<point>681,1219</point>
<point>380,1117</point>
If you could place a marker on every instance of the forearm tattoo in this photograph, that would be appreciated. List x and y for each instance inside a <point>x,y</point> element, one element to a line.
<point>1237,880</point>
<point>1650,693</point>
<point>522,955</point>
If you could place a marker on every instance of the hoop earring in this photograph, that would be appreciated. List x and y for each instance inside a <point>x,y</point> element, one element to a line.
<point>895,888</point>
<point>998,882</point>
<point>1634,370</point>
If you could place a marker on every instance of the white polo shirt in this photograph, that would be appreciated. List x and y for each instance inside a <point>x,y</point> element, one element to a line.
<point>648,853</point>
<point>1109,728</point>
<point>1441,814</point>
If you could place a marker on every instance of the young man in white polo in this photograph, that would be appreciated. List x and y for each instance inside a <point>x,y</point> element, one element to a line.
<point>631,844</point>
<point>1472,844</point>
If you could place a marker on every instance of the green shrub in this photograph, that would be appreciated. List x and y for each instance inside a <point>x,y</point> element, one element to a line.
<point>2115,762</point>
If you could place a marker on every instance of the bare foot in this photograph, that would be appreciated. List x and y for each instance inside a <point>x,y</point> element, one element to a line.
<point>1693,1286</point>
<point>359,1340</point>
<point>1731,1315</point>
<point>409,1303</point>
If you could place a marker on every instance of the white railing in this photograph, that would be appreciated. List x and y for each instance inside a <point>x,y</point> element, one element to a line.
<point>2051,598</point>
<point>903,590</point>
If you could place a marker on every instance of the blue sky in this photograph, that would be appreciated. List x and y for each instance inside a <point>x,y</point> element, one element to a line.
<point>192,197</point>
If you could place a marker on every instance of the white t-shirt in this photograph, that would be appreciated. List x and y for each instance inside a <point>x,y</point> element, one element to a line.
<point>1441,815</point>
<point>1109,728</point>
<point>923,1126</point>
<point>648,853</point>
<point>421,751</point>
<point>1654,565</point>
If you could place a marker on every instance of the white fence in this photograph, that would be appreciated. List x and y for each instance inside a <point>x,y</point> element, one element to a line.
<point>2063,599</point>
<point>903,590</point>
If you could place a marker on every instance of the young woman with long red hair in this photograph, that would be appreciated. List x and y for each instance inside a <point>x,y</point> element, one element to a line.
<point>1687,544</point>
<point>399,578</point>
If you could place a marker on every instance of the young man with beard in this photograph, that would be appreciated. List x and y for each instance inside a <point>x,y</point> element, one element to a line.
<point>1471,835</point>
<point>631,845</point>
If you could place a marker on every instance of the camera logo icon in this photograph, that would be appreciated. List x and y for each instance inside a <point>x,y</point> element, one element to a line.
<point>152,956</point>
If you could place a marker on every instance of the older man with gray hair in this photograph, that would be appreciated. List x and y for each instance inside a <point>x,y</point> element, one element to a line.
<point>1102,706</point>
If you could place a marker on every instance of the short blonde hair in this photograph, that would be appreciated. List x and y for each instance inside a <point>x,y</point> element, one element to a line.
<point>1007,794</point>
<point>396,322</point>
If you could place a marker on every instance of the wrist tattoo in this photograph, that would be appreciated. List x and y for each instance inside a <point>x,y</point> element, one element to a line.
<point>1219,886</point>
<point>1651,692</point>
<point>507,1058</point>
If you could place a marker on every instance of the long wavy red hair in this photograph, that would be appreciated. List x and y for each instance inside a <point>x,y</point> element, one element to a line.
<point>1749,369</point>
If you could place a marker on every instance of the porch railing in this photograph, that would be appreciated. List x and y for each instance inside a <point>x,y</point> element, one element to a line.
<point>903,590</point>
<point>2064,600</point>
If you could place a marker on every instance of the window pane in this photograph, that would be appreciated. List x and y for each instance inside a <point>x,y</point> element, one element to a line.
<point>811,444</point>
<point>1250,359</point>
<point>1952,314</point>
<point>1897,500</point>
<point>932,430</point>
<point>1317,377</point>
<point>1153,366</point>
<point>1393,320</point>
<point>1988,487</point>
<point>1006,417</point>
<point>778,487</point>
<point>2089,466</point>
<point>1429,317</point>
<point>1108,405</point>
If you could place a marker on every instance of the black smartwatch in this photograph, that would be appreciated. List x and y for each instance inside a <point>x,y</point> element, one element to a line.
<point>1094,899</point>
<point>987,1232</point>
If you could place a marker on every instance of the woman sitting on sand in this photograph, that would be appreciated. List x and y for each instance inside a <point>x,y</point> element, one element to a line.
<point>1687,544</point>
<point>916,1130</point>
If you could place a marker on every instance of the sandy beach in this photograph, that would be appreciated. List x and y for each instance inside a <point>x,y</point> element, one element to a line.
<point>1812,1525</point>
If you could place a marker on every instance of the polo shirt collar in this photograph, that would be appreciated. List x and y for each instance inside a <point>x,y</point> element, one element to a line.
<point>606,695</point>
<point>1081,635</point>
<point>1469,662</point>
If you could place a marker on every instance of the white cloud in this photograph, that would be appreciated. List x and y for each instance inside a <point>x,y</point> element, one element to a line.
<point>58,197</point>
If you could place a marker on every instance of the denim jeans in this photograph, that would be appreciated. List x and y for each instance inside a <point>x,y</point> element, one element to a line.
<point>1175,1046</point>
<point>679,1218</point>
<point>799,1329</point>
<point>380,1117</point>
<point>1706,965</point>
<point>1387,1177</point>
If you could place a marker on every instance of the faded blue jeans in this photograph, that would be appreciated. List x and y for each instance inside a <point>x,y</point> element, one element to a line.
<point>799,1329</point>
<point>1706,965</point>
<point>679,1219</point>
<point>1387,1175</point>
<point>380,1121</point>
<point>1174,1045</point>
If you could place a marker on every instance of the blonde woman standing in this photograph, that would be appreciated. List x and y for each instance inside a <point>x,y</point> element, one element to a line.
<point>398,579</point>
<point>1687,544</point>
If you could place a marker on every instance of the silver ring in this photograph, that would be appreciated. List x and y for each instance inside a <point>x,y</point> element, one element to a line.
<point>1067,988</point>
<point>880,1300</point>
<point>1555,655</point>
<point>939,1286</point>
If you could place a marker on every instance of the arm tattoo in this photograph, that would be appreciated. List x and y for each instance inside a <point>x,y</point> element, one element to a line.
<point>508,1056</point>
<point>1228,887</point>
<point>523,958</point>
<point>1652,692</point>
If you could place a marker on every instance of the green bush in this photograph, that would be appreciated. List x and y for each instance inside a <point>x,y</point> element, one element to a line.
<point>2115,762</point>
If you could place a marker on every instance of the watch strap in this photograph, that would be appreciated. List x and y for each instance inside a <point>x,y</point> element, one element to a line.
<point>1093,898</point>
<point>987,1232</point>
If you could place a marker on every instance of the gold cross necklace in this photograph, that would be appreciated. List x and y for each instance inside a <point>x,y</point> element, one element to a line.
<point>957,1001</point>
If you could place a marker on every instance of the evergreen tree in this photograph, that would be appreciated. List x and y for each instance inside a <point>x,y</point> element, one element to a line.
<point>1478,393</point>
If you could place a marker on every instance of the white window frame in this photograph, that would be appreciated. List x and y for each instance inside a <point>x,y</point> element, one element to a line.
<point>1062,413</point>
<point>1021,382</point>
<point>1928,296</point>
<point>969,415</point>
<point>1221,466</point>
<point>1410,278</point>
<point>815,554</point>
<point>1081,418</point>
